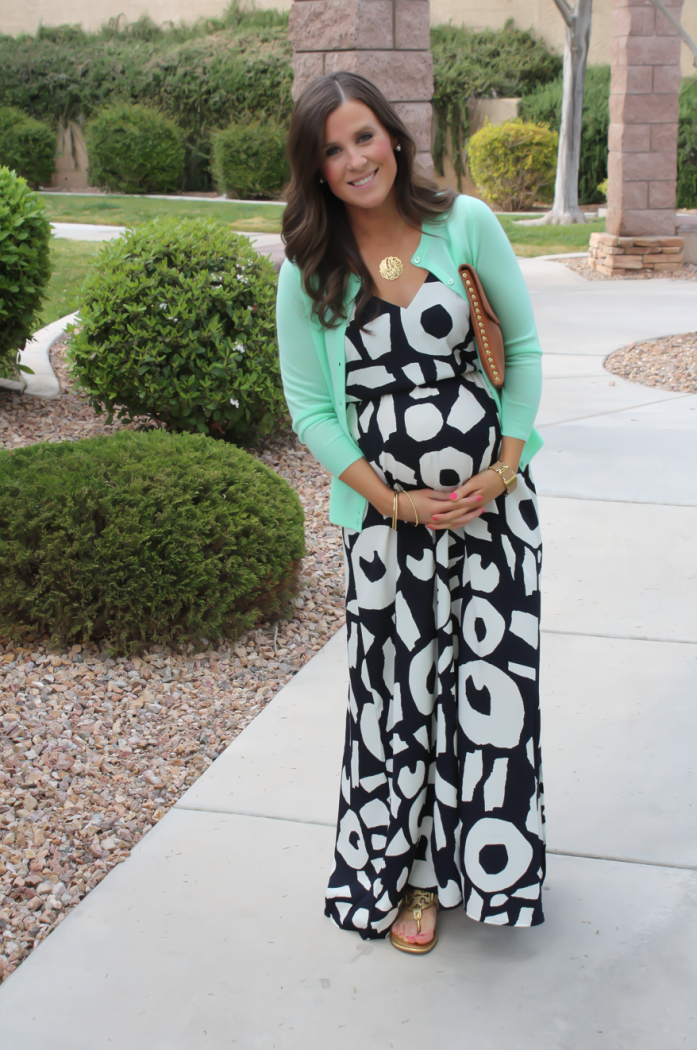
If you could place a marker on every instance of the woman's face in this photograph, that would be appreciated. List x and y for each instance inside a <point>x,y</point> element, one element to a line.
<point>359,164</point>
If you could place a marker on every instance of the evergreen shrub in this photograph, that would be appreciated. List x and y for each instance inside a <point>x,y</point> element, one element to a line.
<point>543,106</point>
<point>134,149</point>
<point>250,159</point>
<point>27,146</point>
<point>514,163</point>
<point>141,538</point>
<point>178,324</point>
<point>25,265</point>
<point>687,145</point>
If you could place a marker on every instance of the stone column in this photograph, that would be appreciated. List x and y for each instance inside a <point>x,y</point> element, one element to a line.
<point>643,140</point>
<point>387,41</point>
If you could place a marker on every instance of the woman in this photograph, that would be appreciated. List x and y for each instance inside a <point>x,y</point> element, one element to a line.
<point>441,788</point>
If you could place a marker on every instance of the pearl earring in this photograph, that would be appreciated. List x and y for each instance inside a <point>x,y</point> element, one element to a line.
<point>321,181</point>
<point>398,148</point>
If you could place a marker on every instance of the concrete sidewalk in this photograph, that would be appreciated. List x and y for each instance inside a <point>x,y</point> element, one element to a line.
<point>212,933</point>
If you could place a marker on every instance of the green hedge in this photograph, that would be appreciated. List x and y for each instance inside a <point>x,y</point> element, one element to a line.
<point>27,146</point>
<point>178,324</point>
<point>501,63</point>
<point>25,265</point>
<point>134,149</point>
<point>687,144</point>
<point>142,538</point>
<point>204,77</point>
<point>250,159</point>
<point>544,106</point>
<point>219,71</point>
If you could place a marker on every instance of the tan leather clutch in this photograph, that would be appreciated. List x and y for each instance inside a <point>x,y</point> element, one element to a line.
<point>486,326</point>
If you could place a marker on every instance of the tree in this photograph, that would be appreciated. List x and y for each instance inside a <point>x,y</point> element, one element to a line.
<point>565,209</point>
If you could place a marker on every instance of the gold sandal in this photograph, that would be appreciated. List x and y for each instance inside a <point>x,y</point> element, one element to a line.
<point>416,901</point>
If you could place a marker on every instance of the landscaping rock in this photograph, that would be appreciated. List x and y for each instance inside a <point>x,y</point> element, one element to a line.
<point>669,363</point>
<point>685,272</point>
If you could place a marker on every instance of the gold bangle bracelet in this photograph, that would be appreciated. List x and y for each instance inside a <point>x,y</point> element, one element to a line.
<point>414,507</point>
<point>395,509</point>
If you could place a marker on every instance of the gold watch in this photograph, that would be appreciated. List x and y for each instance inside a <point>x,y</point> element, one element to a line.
<point>507,474</point>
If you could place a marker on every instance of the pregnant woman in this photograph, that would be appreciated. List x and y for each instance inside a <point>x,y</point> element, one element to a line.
<point>441,788</point>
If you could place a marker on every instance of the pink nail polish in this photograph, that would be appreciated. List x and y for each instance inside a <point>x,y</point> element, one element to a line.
<point>480,497</point>
<point>453,495</point>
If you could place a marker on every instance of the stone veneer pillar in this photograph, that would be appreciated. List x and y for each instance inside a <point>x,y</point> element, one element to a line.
<point>387,41</point>
<point>643,141</point>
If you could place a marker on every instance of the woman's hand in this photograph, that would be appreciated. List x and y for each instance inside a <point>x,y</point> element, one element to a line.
<point>440,511</point>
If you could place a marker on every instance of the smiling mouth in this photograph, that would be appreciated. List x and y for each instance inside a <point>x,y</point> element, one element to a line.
<point>364,180</point>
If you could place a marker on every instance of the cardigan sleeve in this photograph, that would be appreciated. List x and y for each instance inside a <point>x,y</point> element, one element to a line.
<point>306,383</point>
<point>495,262</point>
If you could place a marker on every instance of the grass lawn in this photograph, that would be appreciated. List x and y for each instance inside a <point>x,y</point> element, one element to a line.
<point>72,260</point>
<point>115,210</point>
<point>119,210</point>
<point>549,240</point>
<point>70,263</point>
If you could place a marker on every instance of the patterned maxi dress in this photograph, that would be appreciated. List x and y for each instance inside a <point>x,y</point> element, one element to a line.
<point>441,785</point>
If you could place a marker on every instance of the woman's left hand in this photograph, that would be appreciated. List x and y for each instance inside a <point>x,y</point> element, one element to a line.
<point>483,488</point>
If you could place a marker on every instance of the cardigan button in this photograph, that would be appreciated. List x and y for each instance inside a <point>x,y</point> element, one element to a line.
<point>417,259</point>
<point>450,280</point>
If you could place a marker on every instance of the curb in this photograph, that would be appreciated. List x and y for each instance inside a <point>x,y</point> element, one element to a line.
<point>35,355</point>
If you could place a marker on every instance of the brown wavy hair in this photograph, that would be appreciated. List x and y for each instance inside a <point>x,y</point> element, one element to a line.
<point>316,230</point>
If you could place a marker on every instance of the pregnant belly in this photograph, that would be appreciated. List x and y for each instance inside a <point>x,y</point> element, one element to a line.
<point>429,437</point>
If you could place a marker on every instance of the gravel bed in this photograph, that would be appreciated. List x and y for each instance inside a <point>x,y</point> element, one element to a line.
<point>669,363</point>
<point>687,272</point>
<point>95,749</point>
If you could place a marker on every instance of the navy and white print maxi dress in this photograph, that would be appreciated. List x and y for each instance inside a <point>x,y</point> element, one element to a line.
<point>441,786</point>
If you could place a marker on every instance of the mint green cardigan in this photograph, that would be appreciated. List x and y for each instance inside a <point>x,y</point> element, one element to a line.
<point>313,357</point>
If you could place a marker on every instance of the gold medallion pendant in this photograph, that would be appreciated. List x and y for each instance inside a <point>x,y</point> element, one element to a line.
<point>391,268</point>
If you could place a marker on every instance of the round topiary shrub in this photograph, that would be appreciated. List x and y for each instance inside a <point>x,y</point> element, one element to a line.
<point>178,324</point>
<point>249,160</point>
<point>25,265</point>
<point>514,164</point>
<point>27,146</point>
<point>144,537</point>
<point>133,149</point>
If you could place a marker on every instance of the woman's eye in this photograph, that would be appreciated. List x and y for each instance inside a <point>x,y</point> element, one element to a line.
<point>332,151</point>
<point>365,135</point>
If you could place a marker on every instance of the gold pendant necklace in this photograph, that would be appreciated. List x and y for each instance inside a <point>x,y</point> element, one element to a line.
<point>391,268</point>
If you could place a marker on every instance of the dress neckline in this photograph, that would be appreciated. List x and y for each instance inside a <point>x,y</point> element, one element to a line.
<point>414,297</point>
